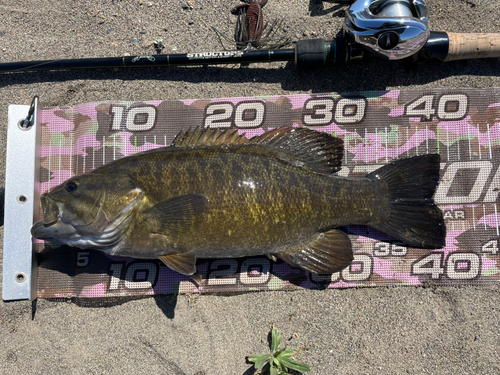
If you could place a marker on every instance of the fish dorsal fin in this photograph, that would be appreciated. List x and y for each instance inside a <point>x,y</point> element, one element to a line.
<point>183,263</point>
<point>320,152</point>
<point>326,252</point>
<point>208,137</point>
<point>173,216</point>
<point>316,151</point>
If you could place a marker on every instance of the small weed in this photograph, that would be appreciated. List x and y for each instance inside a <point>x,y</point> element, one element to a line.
<point>280,362</point>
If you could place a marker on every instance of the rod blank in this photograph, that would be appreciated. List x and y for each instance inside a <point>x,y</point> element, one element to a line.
<point>203,58</point>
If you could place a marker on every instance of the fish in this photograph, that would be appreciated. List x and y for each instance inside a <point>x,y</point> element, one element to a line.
<point>218,194</point>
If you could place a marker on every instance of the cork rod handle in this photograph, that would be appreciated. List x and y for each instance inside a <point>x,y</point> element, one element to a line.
<point>473,46</point>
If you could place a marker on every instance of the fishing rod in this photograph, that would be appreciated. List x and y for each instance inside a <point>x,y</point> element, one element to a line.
<point>388,29</point>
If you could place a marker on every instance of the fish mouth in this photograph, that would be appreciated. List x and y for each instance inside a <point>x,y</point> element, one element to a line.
<point>53,231</point>
<point>51,211</point>
<point>51,227</point>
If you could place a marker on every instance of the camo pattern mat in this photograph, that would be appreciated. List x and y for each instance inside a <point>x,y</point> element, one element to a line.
<point>377,127</point>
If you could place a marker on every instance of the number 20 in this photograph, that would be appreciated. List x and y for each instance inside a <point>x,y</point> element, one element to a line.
<point>245,115</point>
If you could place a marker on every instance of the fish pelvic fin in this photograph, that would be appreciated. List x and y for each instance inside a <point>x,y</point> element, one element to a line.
<point>183,263</point>
<point>410,214</point>
<point>173,216</point>
<point>326,252</point>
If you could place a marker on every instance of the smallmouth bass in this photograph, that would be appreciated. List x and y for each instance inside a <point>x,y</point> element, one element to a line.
<point>216,194</point>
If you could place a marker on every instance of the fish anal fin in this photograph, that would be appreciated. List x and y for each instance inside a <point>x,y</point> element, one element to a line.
<point>325,253</point>
<point>197,279</point>
<point>177,214</point>
<point>183,263</point>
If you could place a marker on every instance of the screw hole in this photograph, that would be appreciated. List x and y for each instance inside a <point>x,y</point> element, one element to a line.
<point>24,125</point>
<point>20,277</point>
<point>22,199</point>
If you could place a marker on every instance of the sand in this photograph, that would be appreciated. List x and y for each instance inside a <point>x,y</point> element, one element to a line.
<point>402,330</point>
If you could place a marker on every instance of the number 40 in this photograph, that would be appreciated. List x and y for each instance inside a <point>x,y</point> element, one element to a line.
<point>458,266</point>
<point>449,107</point>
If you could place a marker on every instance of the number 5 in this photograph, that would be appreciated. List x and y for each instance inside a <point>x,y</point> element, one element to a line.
<point>82,258</point>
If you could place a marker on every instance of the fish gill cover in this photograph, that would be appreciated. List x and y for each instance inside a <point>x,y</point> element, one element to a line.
<point>463,126</point>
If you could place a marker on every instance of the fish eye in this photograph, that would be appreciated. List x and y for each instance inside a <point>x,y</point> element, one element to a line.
<point>71,186</point>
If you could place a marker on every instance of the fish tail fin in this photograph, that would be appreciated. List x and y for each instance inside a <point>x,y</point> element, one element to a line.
<point>410,214</point>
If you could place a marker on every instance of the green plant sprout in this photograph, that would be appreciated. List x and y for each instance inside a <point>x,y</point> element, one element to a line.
<point>280,362</point>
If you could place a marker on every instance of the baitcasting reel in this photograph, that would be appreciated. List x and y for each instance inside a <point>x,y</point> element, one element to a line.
<point>391,29</point>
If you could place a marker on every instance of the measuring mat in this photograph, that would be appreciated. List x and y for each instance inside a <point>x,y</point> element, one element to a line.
<point>463,126</point>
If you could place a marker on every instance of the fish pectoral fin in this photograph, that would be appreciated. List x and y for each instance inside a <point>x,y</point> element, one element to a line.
<point>326,253</point>
<point>183,263</point>
<point>174,215</point>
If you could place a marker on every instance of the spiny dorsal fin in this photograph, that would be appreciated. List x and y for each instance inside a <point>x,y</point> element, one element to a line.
<point>208,137</point>
<point>320,151</point>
